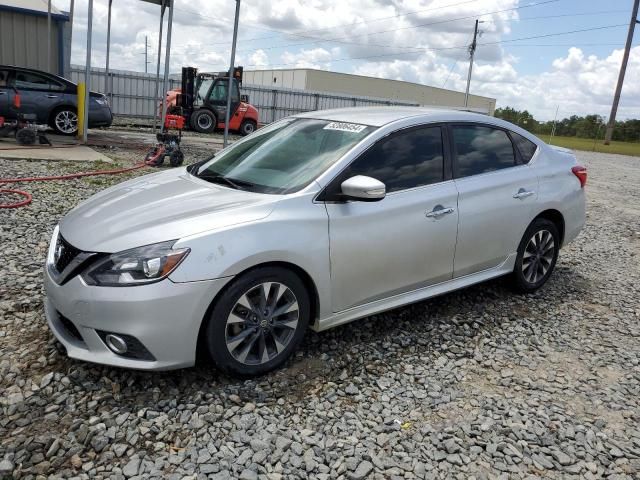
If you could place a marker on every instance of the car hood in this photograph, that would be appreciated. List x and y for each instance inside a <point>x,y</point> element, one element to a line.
<point>159,207</point>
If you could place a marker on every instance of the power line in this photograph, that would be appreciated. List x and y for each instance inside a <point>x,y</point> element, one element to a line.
<point>344,39</point>
<point>367,21</point>
<point>442,48</point>
<point>429,24</point>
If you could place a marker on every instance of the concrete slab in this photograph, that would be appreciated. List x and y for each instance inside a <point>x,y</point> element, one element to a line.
<point>73,153</point>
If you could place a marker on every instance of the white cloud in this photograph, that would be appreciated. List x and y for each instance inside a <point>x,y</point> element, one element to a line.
<point>314,58</point>
<point>577,84</point>
<point>421,47</point>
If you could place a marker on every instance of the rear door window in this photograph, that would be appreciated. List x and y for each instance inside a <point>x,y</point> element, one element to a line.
<point>4,78</point>
<point>33,81</point>
<point>526,147</point>
<point>481,149</point>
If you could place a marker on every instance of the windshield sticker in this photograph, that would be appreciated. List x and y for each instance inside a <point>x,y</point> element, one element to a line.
<point>345,127</point>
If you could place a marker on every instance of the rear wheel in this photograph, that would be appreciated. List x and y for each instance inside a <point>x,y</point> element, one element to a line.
<point>258,322</point>
<point>204,121</point>
<point>176,158</point>
<point>537,256</point>
<point>247,127</point>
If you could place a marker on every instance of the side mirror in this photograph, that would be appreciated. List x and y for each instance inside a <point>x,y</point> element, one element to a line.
<point>364,189</point>
<point>244,98</point>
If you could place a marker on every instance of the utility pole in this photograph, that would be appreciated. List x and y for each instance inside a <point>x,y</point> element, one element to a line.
<point>227,113</point>
<point>623,69</point>
<point>146,49</point>
<point>49,37</point>
<point>472,51</point>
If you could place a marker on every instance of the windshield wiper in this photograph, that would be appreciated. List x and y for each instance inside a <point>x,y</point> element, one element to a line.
<point>217,178</point>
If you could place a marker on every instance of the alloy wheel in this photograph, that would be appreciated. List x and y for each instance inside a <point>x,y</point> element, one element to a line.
<point>262,323</point>
<point>66,121</point>
<point>538,256</point>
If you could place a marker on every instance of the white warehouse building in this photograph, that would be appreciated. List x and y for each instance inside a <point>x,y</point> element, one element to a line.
<point>349,84</point>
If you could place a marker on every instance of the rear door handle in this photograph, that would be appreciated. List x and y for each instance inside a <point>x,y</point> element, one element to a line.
<point>439,211</point>
<point>3,93</point>
<point>52,96</point>
<point>522,193</point>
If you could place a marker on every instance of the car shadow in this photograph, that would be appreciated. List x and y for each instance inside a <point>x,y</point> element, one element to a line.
<point>450,324</point>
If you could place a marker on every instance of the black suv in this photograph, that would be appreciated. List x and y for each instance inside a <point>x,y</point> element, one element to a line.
<point>51,98</point>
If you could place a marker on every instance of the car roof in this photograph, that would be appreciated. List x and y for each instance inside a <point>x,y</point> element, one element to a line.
<point>34,70</point>
<point>378,116</point>
<point>383,115</point>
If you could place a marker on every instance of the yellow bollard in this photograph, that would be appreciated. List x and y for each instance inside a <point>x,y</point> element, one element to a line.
<point>81,90</point>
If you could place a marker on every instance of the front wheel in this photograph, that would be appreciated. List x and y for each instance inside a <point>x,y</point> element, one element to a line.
<point>537,256</point>
<point>247,127</point>
<point>204,121</point>
<point>258,322</point>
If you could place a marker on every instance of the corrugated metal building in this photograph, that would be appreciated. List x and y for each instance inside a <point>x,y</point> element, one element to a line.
<point>324,81</point>
<point>23,35</point>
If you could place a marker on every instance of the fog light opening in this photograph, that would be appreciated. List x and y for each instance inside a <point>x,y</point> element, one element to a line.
<point>116,344</point>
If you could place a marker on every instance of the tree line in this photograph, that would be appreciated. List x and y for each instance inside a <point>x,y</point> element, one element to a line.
<point>588,126</point>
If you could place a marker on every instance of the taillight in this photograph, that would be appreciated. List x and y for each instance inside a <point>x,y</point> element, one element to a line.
<point>580,172</point>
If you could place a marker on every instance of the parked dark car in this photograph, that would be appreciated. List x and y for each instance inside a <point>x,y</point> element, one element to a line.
<point>52,98</point>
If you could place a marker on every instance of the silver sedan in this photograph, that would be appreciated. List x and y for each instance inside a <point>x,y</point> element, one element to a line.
<point>313,221</point>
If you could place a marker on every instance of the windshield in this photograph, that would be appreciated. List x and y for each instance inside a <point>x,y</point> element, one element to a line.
<point>285,156</point>
<point>203,89</point>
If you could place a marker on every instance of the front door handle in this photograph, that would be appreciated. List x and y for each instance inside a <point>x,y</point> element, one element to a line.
<point>439,211</point>
<point>522,193</point>
<point>52,96</point>
<point>3,93</point>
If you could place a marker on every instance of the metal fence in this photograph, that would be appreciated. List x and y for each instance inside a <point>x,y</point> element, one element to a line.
<point>132,95</point>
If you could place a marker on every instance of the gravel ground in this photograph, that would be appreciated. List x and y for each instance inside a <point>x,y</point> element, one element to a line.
<point>479,384</point>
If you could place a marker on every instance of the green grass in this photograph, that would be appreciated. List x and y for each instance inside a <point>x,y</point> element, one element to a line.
<point>576,143</point>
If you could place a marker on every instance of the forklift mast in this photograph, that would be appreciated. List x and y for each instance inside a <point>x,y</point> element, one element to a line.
<point>188,88</point>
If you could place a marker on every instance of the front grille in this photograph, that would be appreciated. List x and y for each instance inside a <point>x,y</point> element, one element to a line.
<point>64,254</point>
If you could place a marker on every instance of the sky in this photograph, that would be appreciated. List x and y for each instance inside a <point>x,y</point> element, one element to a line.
<point>537,55</point>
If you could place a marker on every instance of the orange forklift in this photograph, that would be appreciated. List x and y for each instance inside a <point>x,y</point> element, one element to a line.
<point>202,100</point>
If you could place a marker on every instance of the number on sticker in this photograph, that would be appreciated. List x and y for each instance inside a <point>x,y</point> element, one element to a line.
<point>345,127</point>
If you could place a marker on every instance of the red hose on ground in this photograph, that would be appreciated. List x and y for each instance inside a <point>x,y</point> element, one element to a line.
<point>28,197</point>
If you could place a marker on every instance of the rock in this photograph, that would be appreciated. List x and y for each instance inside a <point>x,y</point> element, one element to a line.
<point>562,458</point>
<point>362,471</point>
<point>76,461</point>
<point>451,446</point>
<point>6,467</point>
<point>248,475</point>
<point>351,389</point>
<point>132,467</point>
<point>53,449</point>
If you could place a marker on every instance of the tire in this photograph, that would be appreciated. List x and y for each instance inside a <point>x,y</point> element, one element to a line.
<point>26,136</point>
<point>247,127</point>
<point>204,121</point>
<point>64,121</point>
<point>176,158</point>
<point>536,257</point>
<point>241,336</point>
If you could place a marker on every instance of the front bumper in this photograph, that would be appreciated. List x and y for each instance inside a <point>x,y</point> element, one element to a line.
<point>100,116</point>
<point>165,317</point>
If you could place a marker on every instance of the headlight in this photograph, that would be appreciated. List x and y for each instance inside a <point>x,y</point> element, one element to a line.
<point>138,266</point>
<point>102,101</point>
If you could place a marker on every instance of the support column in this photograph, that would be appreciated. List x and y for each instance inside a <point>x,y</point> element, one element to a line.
<point>167,61</point>
<point>107,84</point>
<point>162,98</point>
<point>87,73</point>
